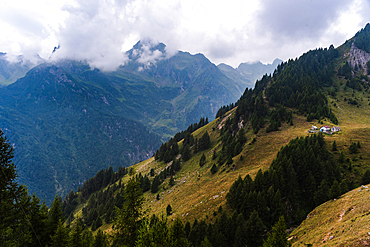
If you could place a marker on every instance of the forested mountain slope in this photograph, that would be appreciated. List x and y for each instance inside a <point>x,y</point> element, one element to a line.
<point>245,177</point>
<point>67,121</point>
<point>254,164</point>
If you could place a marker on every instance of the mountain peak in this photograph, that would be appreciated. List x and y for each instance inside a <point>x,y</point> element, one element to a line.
<point>146,43</point>
<point>147,53</point>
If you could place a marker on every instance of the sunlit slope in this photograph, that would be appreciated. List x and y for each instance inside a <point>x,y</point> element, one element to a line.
<point>197,192</point>
<point>342,222</point>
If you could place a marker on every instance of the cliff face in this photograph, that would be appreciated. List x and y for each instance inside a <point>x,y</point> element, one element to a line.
<point>358,57</point>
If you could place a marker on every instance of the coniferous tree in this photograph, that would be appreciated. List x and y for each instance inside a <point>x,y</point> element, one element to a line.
<point>100,240</point>
<point>18,210</point>
<point>343,186</point>
<point>169,210</point>
<point>341,157</point>
<point>365,179</point>
<point>202,160</point>
<point>98,222</point>
<point>186,152</point>
<point>278,237</point>
<point>177,234</point>
<point>172,181</point>
<point>214,169</point>
<point>335,190</point>
<point>128,219</point>
<point>254,230</point>
<point>155,184</point>
<point>206,243</point>
<point>187,228</point>
<point>76,235</point>
<point>152,172</point>
<point>353,148</point>
<point>56,214</point>
<point>229,160</point>
<point>322,194</point>
<point>61,236</point>
<point>153,232</point>
<point>146,184</point>
<point>87,238</point>
<point>334,147</point>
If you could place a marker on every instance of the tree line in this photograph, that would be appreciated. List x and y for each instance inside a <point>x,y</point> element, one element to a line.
<point>295,84</point>
<point>362,38</point>
<point>303,175</point>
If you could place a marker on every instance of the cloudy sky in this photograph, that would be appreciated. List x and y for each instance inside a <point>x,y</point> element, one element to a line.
<point>232,31</point>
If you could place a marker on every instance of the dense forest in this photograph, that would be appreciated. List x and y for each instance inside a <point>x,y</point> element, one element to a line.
<point>294,84</point>
<point>303,175</point>
<point>362,38</point>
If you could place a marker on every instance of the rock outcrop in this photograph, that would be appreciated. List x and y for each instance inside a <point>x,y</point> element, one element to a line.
<point>358,57</point>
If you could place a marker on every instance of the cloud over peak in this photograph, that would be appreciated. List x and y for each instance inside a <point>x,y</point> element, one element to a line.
<point>101,31</point>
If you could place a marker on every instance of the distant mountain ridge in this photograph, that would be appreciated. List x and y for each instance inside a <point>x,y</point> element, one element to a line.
<point>248,73</point>
<point>68,121</point>
<point>11,71</point>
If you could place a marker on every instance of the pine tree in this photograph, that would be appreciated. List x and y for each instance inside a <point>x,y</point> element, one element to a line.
<point>353,148</point>
<point>202,160</point>
<point>87,238</point>
<point>16,206</point>
<point>169,210</point>
<point>334,147</point>
<point>155,184</point>
<point>343,186</point>
<point>206,243</point>
<point>172,181</point>
<point>214,155</point>
<point>186,152</point>
<point>61,236</point>
<point>240,236</point>
<point>128,220</point>
<point>229,160</point>
<point>322,194</point>
<point>254,230</point>
<point>153,232</point>
<point>213,169</point>
<point>177,234</point>
<point>278,237</point>
<point>100,240</point>
<point>335,190</point>
<point>56,214</point>
<point>365,179</point>
<point>358,144</point>
<point>341,157</point>
<point>76,234</point>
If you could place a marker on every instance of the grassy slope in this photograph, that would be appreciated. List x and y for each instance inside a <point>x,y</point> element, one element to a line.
<point>346,219</point>
<point>341,222</point>
<point>198,194</point>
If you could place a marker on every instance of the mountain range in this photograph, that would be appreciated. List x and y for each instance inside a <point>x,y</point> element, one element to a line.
<point>67,121</point>
<point>259,168</point>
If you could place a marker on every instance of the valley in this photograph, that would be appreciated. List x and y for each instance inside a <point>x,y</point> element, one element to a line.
<point>241,179</point>
<point>67,121</point>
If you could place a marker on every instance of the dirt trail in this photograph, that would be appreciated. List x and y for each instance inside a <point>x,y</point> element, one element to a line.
<point>341,214</point>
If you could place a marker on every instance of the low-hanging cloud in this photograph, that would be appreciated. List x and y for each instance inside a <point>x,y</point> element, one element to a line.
<point>97,30</point>
<point>101,31</point>
<point>94,32</point>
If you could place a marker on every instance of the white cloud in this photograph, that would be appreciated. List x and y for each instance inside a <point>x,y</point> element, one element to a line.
<point>100,31</point>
